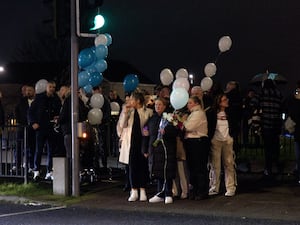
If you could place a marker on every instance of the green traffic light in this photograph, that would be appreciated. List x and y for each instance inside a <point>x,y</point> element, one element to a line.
<point>98,22</point>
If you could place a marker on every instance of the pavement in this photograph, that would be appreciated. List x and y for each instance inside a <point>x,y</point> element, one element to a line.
<point>257,197</point>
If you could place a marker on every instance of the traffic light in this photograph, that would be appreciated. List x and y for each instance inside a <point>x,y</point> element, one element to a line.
<point>88,17</point>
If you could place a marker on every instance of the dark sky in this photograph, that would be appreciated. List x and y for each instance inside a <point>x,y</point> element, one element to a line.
<point>153,35</point>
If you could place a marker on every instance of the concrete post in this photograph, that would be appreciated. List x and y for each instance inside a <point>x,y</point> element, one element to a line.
<point>60,176</point>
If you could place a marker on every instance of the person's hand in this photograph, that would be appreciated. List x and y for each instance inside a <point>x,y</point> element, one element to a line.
<point>184,117</point>
<point>35,126</point>
<point>162,131</point>
<point>145,131</point>
<point>55,119</point>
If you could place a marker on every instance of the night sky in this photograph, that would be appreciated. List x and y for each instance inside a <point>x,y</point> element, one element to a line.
<point>184,34</point>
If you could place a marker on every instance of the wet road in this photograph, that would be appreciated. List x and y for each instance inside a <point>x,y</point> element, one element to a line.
<point>12,214</point>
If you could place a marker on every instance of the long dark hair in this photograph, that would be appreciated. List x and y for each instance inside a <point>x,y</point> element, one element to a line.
<point>217,101</point>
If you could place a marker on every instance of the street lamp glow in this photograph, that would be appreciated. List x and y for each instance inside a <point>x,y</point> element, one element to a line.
<point>1,69</point>
<point>191,76</point>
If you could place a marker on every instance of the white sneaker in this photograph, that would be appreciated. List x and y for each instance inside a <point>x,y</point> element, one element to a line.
<point>229,193</point>
<point>133,196</point>
<point>156,199</point>
<point>168,200</point>
<point>143,196</point>
<point>36,174</point>
<point>211,193</point>
<point>49,176</point>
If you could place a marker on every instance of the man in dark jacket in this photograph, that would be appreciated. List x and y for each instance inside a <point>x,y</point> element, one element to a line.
<point>42,113</point>
<point>21,113</point>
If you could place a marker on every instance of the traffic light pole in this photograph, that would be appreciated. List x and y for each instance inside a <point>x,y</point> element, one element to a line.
<point>74,106</point>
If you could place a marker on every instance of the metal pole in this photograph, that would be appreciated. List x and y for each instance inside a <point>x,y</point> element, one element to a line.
<point>74,107</point>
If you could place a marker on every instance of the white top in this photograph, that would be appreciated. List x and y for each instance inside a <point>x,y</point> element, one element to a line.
<point>196,123</point>
<point>222,128</point>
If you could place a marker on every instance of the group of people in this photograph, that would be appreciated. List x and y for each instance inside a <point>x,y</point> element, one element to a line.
<point>47,119</point>
<point>153,145</point>
<point>205,138</point>
<point>183,151</point>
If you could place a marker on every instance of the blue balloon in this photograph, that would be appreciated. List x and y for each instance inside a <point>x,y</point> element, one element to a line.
<point>91,68</point>
<point>101,65</point>
<point>95,79</point>
<point>88,89</point>
<point>109,39</point>
<point>130,83</point>
<point>179,98</point>
<point>83,78</point>
<point>86,57</point>
<point>101,51</point>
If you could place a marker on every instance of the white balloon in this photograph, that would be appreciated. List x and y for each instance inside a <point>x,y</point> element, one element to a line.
<point>115,107</point>
<point>41,86</point>
<point>225,43</point>
<point>101,39</point>
<point>95,116</point>
<point>206,83</point>
<point>166,76</point>
<point>210,69</point>
<point>181,83</point>
<point>178,98</point>
<point>182,73</point>
<point>97,101</point>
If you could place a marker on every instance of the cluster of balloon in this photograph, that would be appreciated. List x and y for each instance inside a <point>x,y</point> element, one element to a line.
<point>210,69</point>
<point>95,115</point>
<point>179,95</point>
<point>92,63</point>
<point>41,86</point>
<point>130,83</point>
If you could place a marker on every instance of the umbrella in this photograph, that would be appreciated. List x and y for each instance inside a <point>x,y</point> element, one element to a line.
<point>259,78</point>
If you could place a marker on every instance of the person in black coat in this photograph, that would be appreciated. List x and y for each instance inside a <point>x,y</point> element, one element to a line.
<point>21,113</point>
<point>162,152</point>
<point>42,113</point>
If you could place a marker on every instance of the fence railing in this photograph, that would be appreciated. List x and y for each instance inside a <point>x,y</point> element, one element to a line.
<point>13,157</point>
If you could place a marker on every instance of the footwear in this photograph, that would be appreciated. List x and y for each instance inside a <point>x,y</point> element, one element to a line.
<point>168,200</point>
<point>30,170</point>
<point>156,199</point>
<point>36,175</point>
<point>49,176</point>
<point>183,196</point>
<point>212,193</point>
<point>133,195</point>
<point>229,193</point>
<point>143,196</point>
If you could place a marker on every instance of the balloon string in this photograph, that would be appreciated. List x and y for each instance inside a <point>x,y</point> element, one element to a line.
<point>218,56</point>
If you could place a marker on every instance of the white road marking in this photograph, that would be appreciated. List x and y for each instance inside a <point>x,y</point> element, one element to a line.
<point>32,211</point>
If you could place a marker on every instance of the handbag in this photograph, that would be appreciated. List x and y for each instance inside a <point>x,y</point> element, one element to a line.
<point>289,125</point>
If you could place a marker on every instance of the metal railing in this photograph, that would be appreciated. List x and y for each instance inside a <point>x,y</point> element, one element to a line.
<point>13,157</point>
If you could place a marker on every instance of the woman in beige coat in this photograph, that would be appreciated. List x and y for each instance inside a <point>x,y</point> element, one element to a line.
<point>133,120</point>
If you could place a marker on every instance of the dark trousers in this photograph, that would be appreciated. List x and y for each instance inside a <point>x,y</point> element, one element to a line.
<point>272,148</point>
<point>44,137</point>
<point>197,150</point>
<point>138,171</point>
<point>30,146</point>
<point>164,187</point>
